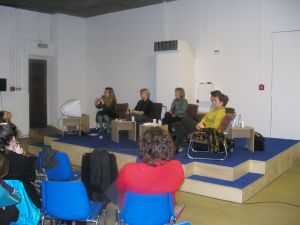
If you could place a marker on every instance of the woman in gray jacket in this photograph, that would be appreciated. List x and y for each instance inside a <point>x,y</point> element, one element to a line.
<point>178,108</point>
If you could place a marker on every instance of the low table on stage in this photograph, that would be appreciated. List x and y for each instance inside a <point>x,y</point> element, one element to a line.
<point>119,125</point>
<point>145,126</point>
<point>243,132</point>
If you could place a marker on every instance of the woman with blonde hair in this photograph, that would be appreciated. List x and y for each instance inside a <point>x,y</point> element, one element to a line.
<point>178,108</point>
<point>107,109</point>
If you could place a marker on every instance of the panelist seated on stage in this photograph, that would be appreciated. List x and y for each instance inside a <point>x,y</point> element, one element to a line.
<point>178,108</point>
<point>212,120</point>
<point>107,108</point>
<point>143,109</point>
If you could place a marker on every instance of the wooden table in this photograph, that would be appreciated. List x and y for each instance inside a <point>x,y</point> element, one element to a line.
<point>118,125</point>
<point>243,132</point>
<point>71,122</point>
<point>144,127</point>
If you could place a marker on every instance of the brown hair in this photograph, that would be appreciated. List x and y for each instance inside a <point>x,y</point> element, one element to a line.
<point>112,97</point>
<point>181,91</point>
<point>4,166</point>
<point>223,98</point>
<point>215,93</point>
<point>156,146</point>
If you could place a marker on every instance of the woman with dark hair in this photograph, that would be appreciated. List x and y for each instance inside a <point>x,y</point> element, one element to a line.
<point>157,172</point>
<point>210,122</point>
<point>178,108</point>
<point>9,213</point>
<point>107,108</point>
<point>21,167</point>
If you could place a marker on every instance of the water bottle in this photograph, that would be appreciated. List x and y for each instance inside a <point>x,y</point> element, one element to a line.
<point>239,121</point>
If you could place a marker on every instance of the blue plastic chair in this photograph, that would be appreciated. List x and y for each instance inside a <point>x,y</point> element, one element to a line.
<point>147,209</point>
<point>63,170</point>
<point>69,201</point>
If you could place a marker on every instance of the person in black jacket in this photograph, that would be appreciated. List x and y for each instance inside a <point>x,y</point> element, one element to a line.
<point>21,167</point>
<point>107,108</point>
<point>143,108</point>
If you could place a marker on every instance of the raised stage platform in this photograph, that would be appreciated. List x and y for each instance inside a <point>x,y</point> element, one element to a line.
<point>236,179</point>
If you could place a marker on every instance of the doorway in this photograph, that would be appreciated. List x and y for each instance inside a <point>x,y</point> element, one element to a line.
<point>285,85</point>
<point>37,87</point>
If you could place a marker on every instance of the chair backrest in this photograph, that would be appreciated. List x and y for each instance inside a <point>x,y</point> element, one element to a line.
<point>192,110</point>
<point>65,200</point>
<point>62,171</point>
<point>226,123</point>
<point>147,209</point>
<point>121,110</point>
<point>230,110</point>
<point>156,111</point>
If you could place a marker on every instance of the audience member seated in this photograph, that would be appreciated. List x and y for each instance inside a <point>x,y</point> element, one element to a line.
<point>21,167</point>
<point>5,117</point>
<point>8,213</point>
<point>107,109</point>
<point>143,108</point>
<point>178,108</point>
<point>212,120</point>
<point>157,172</point>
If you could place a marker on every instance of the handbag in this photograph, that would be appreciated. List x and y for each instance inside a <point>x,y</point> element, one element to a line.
<point>7,198</point>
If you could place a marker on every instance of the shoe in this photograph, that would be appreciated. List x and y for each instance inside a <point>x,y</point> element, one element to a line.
<point>179,149</point>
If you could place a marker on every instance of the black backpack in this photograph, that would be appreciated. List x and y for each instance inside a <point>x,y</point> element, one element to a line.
<point>98,171</point>
<point>259,142</point>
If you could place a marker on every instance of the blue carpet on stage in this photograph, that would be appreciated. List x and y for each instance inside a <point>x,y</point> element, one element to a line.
<point>241,154</point>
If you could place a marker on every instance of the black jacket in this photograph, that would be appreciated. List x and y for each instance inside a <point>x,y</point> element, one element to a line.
<point>23,168</point>
<point>145,106</point>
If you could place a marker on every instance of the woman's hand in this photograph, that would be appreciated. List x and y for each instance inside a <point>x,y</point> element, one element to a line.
<point>19,150</point>
<point>200,126</point>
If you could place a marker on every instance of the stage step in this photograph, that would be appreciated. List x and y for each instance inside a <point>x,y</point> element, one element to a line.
<point>236,191</point>
<point>240,183</point>
<point>218,171</point>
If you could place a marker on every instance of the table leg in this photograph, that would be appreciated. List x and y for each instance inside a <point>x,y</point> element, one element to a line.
<point>250,140</point>
<point>115,132</point>
<point>132,132</point>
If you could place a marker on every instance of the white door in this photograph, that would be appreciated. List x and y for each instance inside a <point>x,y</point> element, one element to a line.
<point>285,120</point>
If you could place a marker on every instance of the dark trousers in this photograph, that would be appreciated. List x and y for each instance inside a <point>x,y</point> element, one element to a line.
<point>187,125</point>
<point>169,119</point>
<point>9,214</point>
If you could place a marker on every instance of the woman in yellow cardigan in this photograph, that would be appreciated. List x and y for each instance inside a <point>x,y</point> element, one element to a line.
<point>212,119</point>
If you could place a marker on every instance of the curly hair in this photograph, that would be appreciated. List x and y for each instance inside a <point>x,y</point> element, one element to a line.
<point>156,146</point>
<point>7,133</point>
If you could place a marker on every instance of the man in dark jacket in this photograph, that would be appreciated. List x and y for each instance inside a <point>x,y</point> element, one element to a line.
<point>144,107</point>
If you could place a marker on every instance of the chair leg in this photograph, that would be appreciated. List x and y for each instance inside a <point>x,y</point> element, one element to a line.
<point>104,217</point>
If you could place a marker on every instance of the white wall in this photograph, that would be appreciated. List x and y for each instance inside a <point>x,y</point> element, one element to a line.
<point>21,30</point>
<point>85,55</point>
<point>120,53</point>
<point>240,29</point>
<point>19,35</point>
<point>69,64</point>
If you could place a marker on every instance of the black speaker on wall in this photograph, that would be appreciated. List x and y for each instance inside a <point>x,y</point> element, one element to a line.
<point>3,84</point>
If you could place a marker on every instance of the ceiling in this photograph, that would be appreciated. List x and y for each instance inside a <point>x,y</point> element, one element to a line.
<point>81,8</point>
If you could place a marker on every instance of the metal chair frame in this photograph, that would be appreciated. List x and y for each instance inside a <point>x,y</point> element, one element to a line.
<point>224,143</point>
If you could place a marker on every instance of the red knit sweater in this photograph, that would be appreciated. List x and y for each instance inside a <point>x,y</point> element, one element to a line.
<point>146,179</point>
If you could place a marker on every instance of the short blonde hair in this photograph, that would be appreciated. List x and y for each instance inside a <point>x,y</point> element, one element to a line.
<point>180,91</point>
<point>145,90</point>
<point>5,117</point>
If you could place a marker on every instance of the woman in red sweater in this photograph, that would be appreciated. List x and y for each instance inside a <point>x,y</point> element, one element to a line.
<point>157,172</point>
